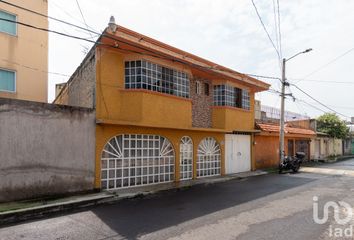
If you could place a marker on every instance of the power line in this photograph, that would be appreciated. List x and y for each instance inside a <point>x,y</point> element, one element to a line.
<point>294,79</point>
<point>309,104</point>
<point>152,53</point>
<point>321,81</point>
<point>279,29</point>
<point>82,15</point>
<point>46,16</point>
<point>275,25</point>
<point>262,76</point>
<point>265,29</point>
<point>327,64</point>
<point>296,99</point>
<point>36,69</point>
<point>51,31</point>
<point>319,101</point>
<point>117,47</point>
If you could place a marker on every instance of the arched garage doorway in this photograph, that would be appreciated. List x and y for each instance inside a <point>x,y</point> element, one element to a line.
<point>136,159</point>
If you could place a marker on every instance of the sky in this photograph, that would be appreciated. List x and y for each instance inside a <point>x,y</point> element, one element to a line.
<point>230,33</point>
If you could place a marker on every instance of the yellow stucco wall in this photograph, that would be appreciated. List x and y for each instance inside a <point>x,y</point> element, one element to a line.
<point>230,118</point>
<point>105,132</point>
<point>26,53</point>
<point>114,102</point>
<point>137,111</point>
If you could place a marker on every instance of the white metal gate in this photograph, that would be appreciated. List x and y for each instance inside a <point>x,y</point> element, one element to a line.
<point>209,158</point>
<point>136,159</point>
<point>186,158</point>
<point>238,153</point>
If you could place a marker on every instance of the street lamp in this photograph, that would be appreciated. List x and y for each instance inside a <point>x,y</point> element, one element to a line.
<point>284,84</point>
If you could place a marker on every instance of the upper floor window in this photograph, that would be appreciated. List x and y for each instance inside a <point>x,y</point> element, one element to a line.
<point>198,88</point>
<point>245,99</point>
<point>226,95</point>
<point>7,81</point>
<point>142,74</point>
<point>206,89</point>
<point>8,27</point>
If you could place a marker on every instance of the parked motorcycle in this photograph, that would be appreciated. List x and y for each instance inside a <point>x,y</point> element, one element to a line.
<point>292,163</point>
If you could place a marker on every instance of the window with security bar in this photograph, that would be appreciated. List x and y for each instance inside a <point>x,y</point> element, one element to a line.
<point>142,74</point>
<point>226,95</point>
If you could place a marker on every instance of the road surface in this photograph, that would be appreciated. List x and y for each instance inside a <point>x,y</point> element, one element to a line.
<point>263,207</point>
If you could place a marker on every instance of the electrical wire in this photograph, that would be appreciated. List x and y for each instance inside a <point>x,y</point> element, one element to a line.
<point>48,17</point>
<point>36,69</point>
<point>325,65</point>
<point>82,15</point>
<point>275,26</point>
<point>296,99</point>
<point>151,53</point>
<point>265,29</point>
<point>48,30</point>
<point>279,29</point>
<point>321,81</point>
<point>324,105</point>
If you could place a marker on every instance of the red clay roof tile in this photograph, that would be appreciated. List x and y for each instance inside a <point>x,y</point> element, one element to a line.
<point>289,130</point>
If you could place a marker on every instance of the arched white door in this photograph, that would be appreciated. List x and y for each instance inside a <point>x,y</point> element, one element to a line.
<point>136,159</point>
<point>209,158</point>
<point>186,158</point>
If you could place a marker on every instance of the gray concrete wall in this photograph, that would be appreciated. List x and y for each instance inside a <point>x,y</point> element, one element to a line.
<point>45,149</point>
<point>79,91</point>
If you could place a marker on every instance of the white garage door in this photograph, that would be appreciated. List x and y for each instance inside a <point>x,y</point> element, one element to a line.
<point>238,153</point>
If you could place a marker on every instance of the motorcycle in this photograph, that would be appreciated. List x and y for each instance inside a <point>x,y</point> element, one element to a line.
<point>292,163</point>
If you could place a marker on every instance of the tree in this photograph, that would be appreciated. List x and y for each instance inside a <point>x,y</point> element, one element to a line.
<point>332,125</point>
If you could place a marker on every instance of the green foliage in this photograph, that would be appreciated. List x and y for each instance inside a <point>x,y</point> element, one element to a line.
<point>331,124</point>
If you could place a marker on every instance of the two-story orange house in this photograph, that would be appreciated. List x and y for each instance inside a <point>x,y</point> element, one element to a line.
<point>162,114</point>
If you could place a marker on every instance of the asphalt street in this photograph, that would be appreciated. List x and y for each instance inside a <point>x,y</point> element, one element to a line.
<point>262,207</point>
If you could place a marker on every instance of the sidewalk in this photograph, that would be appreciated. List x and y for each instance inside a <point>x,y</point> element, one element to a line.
<point>26,210</point>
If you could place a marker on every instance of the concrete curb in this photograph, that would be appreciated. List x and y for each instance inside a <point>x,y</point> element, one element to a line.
<point>50,209</point>
<point>20,215</point>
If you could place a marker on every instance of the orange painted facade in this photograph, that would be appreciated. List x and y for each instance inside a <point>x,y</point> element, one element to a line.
<point>266,144</point>
<point>140,111</point>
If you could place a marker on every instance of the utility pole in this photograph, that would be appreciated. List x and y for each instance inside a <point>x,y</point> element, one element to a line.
<point>282,111</point>
<point>284,83</point>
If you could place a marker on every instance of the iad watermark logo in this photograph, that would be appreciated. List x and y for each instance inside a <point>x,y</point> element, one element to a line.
<point>342,213</point>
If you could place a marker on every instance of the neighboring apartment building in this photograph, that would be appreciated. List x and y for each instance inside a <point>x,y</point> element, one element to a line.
<point>163,115</point>
<point>23,51</point>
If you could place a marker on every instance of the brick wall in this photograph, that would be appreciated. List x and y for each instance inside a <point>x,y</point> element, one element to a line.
<point>201,104</point>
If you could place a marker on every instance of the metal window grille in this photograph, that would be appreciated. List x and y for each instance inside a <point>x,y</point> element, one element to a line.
<point>133,159</point>
<point>186,158</point>
<point>245,99</point>
<point>143,74</point>
<point>226,95</point>
<point>209,158</point>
